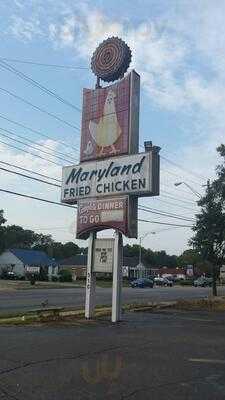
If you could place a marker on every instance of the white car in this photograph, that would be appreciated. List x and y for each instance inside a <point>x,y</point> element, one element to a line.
<point>163,282</point>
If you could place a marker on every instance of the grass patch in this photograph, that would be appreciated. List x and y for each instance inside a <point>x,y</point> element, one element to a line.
<point>25,285</point>
<point>108,284</point>
<point>207,304</point>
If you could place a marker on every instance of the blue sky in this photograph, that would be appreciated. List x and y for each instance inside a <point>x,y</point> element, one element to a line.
<point>178,49</point>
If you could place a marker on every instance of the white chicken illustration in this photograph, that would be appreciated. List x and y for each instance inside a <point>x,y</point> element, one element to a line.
<point>106,132</point>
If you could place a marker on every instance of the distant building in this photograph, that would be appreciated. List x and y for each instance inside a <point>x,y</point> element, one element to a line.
<point>222,273</point>
<point>179,273</point>
<point>78,264</point>
<point>22,261</point>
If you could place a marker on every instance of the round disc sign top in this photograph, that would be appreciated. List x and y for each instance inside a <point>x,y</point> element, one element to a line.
<point>111,59</point>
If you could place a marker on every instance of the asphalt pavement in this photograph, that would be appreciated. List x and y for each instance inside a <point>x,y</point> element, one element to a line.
<point>154,356</point>
<point>24,300</point>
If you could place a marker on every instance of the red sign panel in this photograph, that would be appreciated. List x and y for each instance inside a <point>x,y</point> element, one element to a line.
<point>96,214</point>
<point>106,119</point>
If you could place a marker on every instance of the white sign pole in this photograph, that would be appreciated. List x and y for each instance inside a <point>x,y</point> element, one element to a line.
<point>117,277</point>
<point>90,280</point>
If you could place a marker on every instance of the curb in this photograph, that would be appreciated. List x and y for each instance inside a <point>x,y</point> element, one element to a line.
<point>59,314</point>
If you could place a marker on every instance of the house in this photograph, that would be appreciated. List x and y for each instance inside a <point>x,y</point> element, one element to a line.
<point>164,272</point>
<point>23,261</point>
<point>222,274</point>
<point>77,266</point>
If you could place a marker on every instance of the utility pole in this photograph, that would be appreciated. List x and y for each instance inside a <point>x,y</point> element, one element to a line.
<point>214,286</point>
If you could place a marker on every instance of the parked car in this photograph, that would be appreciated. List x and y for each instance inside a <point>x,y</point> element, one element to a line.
<point>142,282</point>
<point>168,282</point>
<point>11,275</point>
<point>203,282</point>
<point>163,282</point>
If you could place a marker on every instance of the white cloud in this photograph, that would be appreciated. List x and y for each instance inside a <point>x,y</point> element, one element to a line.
<point>23,29</point>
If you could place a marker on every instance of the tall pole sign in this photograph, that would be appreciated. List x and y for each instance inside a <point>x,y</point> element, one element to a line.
<point>112,174</point>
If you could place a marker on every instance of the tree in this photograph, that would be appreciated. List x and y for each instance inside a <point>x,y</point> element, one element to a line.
<point>209,238</point>
<point>16,236</point>
<point>2,219</point>
<point>149,257</point>
<point>189,257</point>
<point>2,222</point>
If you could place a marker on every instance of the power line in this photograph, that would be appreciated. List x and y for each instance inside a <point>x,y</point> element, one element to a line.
<point>179,176</point>
<point>168,194</point>
<point>146,209</point>
<point>30,141</point>
<point>40,134</point>
<point>35,155</point>
<point>29,152</point>
<point>36,198</point>
<point>173,173</point>
<point>186,192</point>
<point>40,109</point>
<point>29,177</point>
<point>36,84</point>
<point>165,213</point>
<point>165,223</point>
<point>174,205</point>
<point>167,229</point>
<point>29,170</point>
<point>13,60</point>
<point>184,169</point>
<point>67,205</point>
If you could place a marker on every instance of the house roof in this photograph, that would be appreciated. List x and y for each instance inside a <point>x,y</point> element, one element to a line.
<point>33,257</point>
<point>79,259</point>
<point>166,270</point>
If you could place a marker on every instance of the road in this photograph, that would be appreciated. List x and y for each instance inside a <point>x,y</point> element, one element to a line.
<point>149,356</point>
<point>22,300</point>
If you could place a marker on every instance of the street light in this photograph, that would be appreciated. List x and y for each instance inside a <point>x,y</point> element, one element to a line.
<point>189,187</point>
<point>140,250</point>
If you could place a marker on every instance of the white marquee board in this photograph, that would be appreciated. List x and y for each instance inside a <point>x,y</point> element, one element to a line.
<point>103,255</point>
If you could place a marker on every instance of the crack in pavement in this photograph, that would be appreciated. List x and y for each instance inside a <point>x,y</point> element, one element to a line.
<point>78,356</point>
<point>10,396</point>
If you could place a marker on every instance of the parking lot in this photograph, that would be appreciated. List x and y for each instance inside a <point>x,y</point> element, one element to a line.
<point>158,356</point>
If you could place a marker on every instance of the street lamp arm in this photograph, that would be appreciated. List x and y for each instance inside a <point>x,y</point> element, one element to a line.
<point>189,187</point>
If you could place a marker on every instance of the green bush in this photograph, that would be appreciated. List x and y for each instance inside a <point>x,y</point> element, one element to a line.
<point>103,276</point>
<point>4,273</point>
<point>43,275</point>
<point>32,278</point>
<point>65,275</point>
<point>55,279</point>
